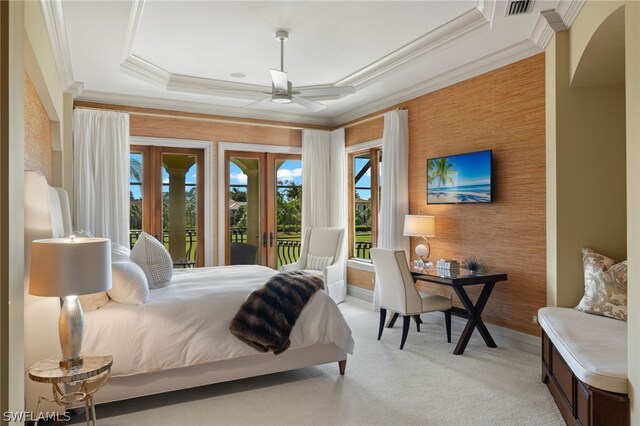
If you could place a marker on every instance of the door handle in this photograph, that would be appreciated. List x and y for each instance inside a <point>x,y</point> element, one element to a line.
<point>270,239</point>
<point>264,239</point>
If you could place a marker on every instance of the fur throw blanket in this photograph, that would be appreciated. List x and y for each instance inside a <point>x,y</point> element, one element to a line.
<point>265,319</point>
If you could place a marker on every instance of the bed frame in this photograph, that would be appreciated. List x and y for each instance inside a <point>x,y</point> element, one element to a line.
<point>125,387</point>
<point>47,215</point>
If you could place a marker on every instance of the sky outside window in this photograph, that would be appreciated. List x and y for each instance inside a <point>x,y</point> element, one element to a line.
<point>365,180</point>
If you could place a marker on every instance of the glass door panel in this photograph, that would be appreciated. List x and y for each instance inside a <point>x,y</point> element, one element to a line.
<point>165,193</point>
<point>179,206</point>
<point>135,196</point>
<point>244,201</point>
<point>288,209</point>
<point>264,213</point>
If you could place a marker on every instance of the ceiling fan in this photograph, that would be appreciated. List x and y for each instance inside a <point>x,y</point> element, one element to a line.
<point>282,91</point>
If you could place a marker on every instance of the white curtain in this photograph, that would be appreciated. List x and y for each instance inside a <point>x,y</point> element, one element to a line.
<point>394,203</point>
<point>101,173</point>
<point>338,189</point>
<point>316,167</point>
<point>324,176</point>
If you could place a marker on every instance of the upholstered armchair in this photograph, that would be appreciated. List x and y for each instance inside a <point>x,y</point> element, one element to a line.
<point>398,293</point>
<point>322,256</point>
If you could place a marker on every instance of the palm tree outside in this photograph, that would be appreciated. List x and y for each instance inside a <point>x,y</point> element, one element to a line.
<point>135,169</point>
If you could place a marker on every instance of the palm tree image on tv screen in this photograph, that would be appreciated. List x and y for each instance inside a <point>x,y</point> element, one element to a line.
<point>459,179</point>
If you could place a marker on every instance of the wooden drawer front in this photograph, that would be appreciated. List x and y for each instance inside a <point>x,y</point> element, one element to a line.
<point>546,348</point>
<point>563,375</point>
<point>608,409</point>
<point>582,403</point>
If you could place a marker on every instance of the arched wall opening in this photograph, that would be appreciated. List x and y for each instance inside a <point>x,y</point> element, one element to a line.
<point>586,148</point>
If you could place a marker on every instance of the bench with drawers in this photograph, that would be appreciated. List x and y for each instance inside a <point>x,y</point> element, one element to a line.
<point>584,364</point>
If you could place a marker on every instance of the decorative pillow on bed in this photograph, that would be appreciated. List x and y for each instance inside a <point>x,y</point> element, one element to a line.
<point>605,286</point>
<point>91,302</point>
<point>119,252</point>
<point>154,260</point>
<point>318,263</point>
<point>128,283</point>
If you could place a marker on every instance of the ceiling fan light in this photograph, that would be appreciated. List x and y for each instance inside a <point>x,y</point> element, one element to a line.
<point>281,98</point>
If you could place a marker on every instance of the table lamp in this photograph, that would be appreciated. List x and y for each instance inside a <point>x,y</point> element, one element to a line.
<point>67,268</point>
<point>421,226</point>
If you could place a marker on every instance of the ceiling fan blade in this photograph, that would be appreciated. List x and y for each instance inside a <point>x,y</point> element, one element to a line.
<point>326,91</point>
<point>313,105</point>
<point>257,102</point>
<point>280,80</point>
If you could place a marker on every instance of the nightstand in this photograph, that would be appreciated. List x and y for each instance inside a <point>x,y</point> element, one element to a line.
<point>91,375</point>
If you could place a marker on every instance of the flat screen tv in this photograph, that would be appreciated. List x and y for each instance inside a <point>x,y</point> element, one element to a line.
<point>460,179</point>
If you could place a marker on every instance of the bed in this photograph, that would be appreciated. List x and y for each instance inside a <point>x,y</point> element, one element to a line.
<point>179,338</point>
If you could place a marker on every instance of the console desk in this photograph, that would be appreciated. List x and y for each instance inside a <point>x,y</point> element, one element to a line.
<point>458,280</point>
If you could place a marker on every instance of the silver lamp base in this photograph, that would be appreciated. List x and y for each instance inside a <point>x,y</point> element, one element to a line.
<point>70,329</point>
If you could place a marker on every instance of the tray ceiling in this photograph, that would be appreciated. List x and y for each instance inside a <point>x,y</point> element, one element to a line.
<point>195,56</point>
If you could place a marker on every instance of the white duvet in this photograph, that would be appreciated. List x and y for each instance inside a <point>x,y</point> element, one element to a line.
<point>187,322</point>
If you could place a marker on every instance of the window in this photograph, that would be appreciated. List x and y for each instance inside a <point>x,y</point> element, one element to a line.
<point>364,201</point>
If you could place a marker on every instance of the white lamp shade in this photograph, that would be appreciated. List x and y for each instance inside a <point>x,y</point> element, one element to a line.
<point>419,226</point>
<point>70,266</point>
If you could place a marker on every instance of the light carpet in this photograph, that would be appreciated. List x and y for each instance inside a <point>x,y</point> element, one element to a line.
<point>424,384</point>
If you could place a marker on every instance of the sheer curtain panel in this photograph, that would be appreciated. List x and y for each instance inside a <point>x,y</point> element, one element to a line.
<point>316,167</point>
<point>338,176</point>
<point>101,173</point>
<point>324,195</point>
<point>394,202</point>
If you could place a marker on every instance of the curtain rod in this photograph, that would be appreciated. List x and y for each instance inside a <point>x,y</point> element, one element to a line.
<point>186,117</point>
<point>373,117</point>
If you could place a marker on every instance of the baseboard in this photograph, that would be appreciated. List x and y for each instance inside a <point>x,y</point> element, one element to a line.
<point>502,336</point>
<point>360,293</point>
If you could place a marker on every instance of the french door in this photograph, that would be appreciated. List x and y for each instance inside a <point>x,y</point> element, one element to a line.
<point>166,197</point>
<point>264,208</point>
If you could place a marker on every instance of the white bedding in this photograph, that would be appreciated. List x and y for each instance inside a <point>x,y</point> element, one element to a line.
<point>187,322</point>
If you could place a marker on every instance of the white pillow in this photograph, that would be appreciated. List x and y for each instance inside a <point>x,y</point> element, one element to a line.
<point>128,283</point>
<point>318,263</point>
<point>91,302</point>
<point>119,252</point>
<point>154,260</point>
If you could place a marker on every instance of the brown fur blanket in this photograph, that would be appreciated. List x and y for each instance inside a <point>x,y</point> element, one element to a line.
<point>265,319</point>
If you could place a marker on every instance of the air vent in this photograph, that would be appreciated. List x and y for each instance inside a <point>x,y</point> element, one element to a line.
<point>518,7</point>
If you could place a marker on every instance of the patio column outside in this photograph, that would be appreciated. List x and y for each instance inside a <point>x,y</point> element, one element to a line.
<point>177,167</point>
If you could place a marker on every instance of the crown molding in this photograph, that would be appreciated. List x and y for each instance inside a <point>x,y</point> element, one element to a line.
<point>200,108</point>
<point>139,68</point>
<point>541,32</point>
<point>132,29</point>
<point>553,20</point>
<point>487,8</point>
<point>146,70</point>
<point>57,30</point>
<point>569,10</point>
<point>453,29</point>
<point>199,85</point>
<point>509,55</point>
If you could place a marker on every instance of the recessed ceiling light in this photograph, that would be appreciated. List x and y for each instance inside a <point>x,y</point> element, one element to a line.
<point>238,75</point>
